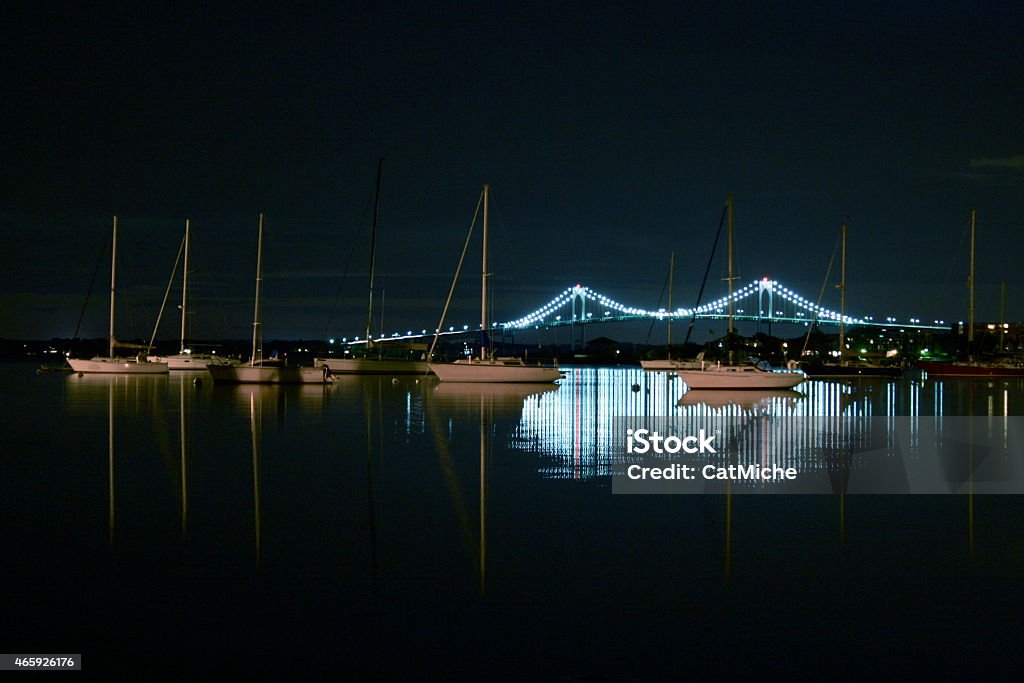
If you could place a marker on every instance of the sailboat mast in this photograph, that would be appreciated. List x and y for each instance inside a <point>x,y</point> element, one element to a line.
<point>970,304</point>
<point>259,285</point>
<point>671,273</point>
<point>483,281</point>
<point>184,289</point>
<point>1002,314</point>
<point>728,203</point>
<point>113,263</point>
<point>373,252</point>
<point>842,300</point>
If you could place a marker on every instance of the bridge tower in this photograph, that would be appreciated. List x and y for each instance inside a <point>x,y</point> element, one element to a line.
<point>765,289</point>
<point>578,294</point>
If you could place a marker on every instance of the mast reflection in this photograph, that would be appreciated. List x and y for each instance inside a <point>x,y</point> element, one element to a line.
<point>110,462</point>
<point>495,408</point>
<point>128,401</point>
<point>183,439</point>
<point>255,429</point>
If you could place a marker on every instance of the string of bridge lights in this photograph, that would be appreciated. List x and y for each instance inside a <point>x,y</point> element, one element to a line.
<point>609,308</point>
<point>546,313</point>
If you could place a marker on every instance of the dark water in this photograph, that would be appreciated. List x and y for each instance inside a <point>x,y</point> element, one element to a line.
<point>384,528</point>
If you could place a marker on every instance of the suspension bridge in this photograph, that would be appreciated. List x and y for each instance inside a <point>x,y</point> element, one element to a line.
<point>765,301</point>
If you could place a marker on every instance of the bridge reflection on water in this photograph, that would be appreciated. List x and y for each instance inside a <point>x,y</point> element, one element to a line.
<point>828,426</point>
<point>898,429</point>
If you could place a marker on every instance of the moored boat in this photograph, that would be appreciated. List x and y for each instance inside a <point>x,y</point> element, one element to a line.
<point>732,376</point>
<point>487,368</point>
<point>374,366</point>
<point>672,364</point>
<point>111,364</point>
<point>847,365</point>
<point>386,361</point>
<point>969,369</point>
<point>268,374</point>
<point>117,365</point>
<point>739,377</point>
<point>189,360</point>
<point>972,367</point>
<point>258,370</point>
<point>500,369</point>
<point>186,358</point>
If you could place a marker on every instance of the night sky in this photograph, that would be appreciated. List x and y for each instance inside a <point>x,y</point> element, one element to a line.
<point>610,133</point>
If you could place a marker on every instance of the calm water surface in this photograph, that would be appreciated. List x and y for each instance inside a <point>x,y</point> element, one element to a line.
<point>387,527</point>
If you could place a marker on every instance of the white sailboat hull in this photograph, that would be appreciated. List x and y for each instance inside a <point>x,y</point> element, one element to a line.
<point>117,366</point>
<point>494,371</point>
<point>739,377</point>
<point>374,366</point>
<point>245,374</point>
<point>191,361</point>
<point>111,364</point>
<point>669,365</point>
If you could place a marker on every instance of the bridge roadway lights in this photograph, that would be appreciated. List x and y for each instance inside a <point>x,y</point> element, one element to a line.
<point>715,310</point>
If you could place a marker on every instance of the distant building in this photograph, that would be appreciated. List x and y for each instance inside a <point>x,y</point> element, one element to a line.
<point>994,337</point>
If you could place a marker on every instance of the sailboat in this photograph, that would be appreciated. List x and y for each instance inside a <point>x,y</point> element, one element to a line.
<point>718,376</point>
<point>730,376</point>
<point>669,363</point>
<point>487,368</point>
<point>973,367</point>
<point>258,370</point>
<point>845,367</point>
<point>379,364</point>
<point>111,363</point>
<point>186,358</point>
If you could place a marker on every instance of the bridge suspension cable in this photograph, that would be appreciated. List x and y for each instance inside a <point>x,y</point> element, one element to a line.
<point>765,294</point>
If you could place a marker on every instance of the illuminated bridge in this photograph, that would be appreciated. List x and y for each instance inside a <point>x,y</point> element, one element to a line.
<point>764,301</point>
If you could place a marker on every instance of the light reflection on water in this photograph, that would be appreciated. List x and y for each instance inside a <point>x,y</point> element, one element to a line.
<point>404,498</point>
<point>574,429</point>
<point>570,427</point>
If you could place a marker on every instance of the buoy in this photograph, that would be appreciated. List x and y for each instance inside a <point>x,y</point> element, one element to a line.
<point>198,382</point>
<point>81,374</point>
<point>394,380</point>
<point>636,387</point>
